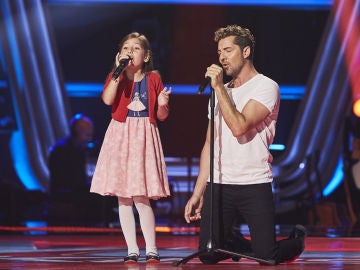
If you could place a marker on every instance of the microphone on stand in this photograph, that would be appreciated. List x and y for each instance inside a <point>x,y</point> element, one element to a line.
<point>203,85</point>
<point>122,64</point>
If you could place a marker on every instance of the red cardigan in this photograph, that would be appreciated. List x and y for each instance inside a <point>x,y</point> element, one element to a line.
<point>125,91</point>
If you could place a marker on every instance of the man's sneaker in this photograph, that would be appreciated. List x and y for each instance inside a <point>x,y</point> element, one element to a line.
<point>299,232</point>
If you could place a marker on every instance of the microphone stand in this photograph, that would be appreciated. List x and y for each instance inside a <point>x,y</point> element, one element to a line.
<point>210,246</point>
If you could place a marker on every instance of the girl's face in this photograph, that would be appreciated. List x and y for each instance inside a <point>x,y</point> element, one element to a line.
<point>132,48</point>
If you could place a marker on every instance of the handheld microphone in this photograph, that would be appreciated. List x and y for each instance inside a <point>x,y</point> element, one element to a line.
<point>204,84</point>
<point>122,64</point>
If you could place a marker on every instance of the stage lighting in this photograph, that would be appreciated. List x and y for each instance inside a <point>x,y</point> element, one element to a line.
<point>356,108</point>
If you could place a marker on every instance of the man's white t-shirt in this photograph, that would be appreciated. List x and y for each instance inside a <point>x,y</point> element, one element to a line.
<point>246,159</point>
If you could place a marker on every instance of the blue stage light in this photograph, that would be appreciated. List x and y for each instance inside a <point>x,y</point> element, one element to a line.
<point>73,89</point>
<point>271,3</point>
<point>335,180</point>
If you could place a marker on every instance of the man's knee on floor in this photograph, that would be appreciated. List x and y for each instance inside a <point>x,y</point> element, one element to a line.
<point>213,257</point>
<point>208,258</point>
<point>265,254</point>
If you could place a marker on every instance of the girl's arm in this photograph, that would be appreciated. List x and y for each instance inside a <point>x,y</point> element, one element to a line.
<point>110,89</point>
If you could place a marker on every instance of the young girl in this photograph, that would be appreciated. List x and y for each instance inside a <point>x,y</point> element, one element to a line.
<point>131,162</point>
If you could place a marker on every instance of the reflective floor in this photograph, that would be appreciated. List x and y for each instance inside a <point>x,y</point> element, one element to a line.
<point>91,248</point>
<point>33,237</point>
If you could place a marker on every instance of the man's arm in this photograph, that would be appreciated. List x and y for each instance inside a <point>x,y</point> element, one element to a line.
<point>194,205</point>
<point>239,122</point>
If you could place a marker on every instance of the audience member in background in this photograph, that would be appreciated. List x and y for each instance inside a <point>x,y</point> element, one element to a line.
<point>67,161</point>
<point>355,173</point>
<point>69,164</point>
<point>352,167</point>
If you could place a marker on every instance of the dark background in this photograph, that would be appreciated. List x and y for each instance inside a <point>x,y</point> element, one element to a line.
<point>87,37</point>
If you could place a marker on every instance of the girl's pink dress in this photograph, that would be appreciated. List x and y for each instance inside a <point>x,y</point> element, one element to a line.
<point>131,161</point>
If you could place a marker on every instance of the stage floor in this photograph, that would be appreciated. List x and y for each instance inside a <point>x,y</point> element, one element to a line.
<point>106,251</point>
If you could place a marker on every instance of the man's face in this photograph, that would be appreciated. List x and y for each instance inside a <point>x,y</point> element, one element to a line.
<point>230,56</point>
<point>84,132</point>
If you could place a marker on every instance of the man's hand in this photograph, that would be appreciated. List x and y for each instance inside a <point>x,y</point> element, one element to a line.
<point>193,209</point>
<point>215,72</point>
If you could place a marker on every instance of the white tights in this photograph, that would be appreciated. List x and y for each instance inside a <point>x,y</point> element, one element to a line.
<point>128,226</point>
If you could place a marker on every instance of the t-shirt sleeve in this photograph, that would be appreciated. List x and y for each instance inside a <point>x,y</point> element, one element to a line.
<point>268,94</point>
